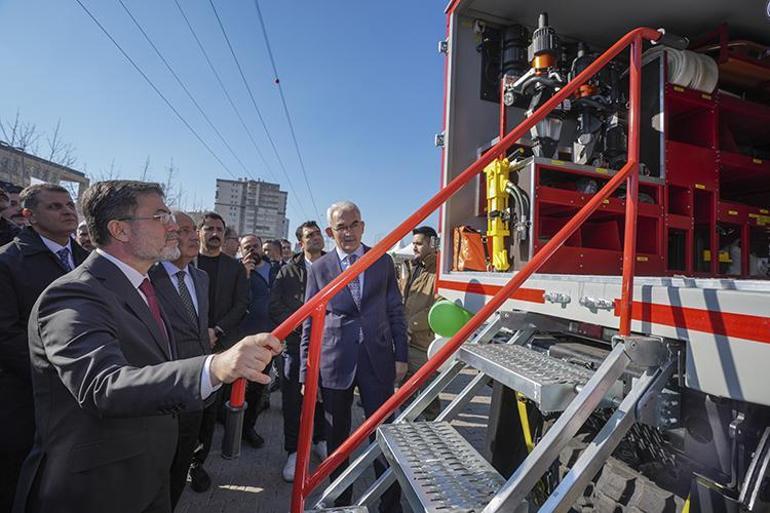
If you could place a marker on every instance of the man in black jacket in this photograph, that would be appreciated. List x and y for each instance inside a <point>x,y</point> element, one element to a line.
<point>183,291</point>
<point>260,273</point>
<point>286,297</point>
<point>38,255</point>
<point>228,300</point>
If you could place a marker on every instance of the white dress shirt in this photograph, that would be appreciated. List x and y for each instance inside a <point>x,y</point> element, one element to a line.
<point>172,269</point>
<point>55,247</point>
<point>345,263</point>
<point>136,278</point>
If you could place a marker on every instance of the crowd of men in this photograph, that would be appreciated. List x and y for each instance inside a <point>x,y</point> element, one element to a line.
<point>120,335</point>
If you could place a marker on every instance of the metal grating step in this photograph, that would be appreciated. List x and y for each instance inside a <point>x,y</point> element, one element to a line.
<point>438,469</point>
<point>550,382</point>
<point>341,509</point>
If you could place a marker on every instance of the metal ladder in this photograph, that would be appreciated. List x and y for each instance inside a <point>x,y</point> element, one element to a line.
<point>440,472</point>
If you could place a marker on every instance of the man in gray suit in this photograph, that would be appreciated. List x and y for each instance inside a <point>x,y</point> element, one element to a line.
<point>183,292</point>
<point>105,381</point>
<point>364,341</point>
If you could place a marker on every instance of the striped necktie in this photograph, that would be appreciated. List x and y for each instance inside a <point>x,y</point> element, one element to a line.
<point>355,284</point>
<point>184,294</point>
<point>64,258</point>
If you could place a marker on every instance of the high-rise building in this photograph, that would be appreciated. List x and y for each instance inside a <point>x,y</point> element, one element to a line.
<point>253,206</point>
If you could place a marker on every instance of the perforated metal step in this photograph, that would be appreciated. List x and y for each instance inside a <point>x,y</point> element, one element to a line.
<point>342,509</point>
<point>550,382</point>
<point>439,471</point>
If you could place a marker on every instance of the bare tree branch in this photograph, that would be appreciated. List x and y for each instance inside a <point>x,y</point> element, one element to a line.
<point>20,135</point>
<point>146,170</point>
<point>58,151</point>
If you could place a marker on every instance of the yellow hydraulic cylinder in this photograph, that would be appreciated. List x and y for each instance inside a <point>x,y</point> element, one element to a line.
<point>497,173</point>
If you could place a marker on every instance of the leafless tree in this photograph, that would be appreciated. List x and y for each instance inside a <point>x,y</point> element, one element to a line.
<point>111,173</point>
<point>172,188</point>
<point>19,134</point>
<point>146,170</point>
<point>59,151</point>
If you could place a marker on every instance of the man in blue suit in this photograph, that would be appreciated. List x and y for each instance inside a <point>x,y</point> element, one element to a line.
<point>365,343</point>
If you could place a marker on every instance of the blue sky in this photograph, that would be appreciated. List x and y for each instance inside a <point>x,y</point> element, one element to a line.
<point>363,81</point>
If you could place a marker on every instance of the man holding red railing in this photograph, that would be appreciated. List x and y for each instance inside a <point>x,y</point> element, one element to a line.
<point>364,341</point>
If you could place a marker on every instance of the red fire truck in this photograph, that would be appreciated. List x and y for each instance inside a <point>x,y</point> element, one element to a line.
<point>604,216</point>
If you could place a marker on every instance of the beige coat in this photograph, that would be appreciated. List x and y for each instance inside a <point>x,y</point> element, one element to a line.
<point>418,300</point>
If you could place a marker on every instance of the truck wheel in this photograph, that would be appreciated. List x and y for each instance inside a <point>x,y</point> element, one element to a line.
<point>617,488</point>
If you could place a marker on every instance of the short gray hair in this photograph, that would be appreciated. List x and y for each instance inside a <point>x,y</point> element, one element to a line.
<point>341,206</point>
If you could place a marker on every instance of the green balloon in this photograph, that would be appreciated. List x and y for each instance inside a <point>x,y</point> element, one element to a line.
<point>446,318</point>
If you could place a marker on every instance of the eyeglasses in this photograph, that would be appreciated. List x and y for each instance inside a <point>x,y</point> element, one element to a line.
<point>355,225</point>
<point>165,218</point>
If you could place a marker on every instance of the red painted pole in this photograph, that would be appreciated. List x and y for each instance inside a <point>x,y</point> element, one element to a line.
<point>632,185</point>
<point>308,409</point>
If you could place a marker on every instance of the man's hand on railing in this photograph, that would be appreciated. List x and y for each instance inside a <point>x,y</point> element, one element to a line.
<point>246,359</point>
<point>401,368</point>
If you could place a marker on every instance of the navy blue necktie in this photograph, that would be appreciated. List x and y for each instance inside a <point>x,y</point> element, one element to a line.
<point>64,258</point>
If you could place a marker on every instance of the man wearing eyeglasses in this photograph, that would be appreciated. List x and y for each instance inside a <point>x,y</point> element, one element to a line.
<point>183,291</point>
<point>107,387</point>
<point>228,300</point>
<point>364,338</point>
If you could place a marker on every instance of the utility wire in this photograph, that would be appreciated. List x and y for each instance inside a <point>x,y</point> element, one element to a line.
<point>155,88</point>
<point>226,93</point>
<point>251,96</point>
<point>286,108</point>
<point>184,87</point>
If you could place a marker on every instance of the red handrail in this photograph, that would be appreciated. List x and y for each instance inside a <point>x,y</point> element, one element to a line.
<point>316,307</point>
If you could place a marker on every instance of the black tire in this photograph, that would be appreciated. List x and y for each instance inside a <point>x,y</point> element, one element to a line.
<point>617,488</point>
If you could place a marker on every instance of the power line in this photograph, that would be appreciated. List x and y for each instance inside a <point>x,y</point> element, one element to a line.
<point>226,93</point>
<point>251,96</point>
<point>183,86</point>
<point>286,108</point>
<point>154,88</point>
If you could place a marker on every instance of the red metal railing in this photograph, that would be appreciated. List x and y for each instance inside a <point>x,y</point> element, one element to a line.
<point>316,307</point>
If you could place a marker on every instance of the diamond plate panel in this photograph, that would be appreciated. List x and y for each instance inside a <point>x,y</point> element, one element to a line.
<point>550,382</point>
<point>439,471</point>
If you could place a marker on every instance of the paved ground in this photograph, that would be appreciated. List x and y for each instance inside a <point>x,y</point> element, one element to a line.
<point>253,483</point>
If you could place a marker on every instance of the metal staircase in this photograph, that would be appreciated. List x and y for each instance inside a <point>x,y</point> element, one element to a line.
<point>440,472</point>
<point>555,385</point>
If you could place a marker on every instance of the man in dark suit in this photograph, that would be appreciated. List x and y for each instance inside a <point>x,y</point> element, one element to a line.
<point>365,342</point>
<point>105,380</point>
<point>183,291</point>
<point>261,273</point>
<point>37,256</point>
<point>228,300</point>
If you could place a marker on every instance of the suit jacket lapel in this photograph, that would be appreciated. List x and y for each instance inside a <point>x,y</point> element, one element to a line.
<point>168,291</point>
<point>369,272</point>
<point>335,270</point>
<point>136,304</point>
<point>202,298</point>
<point>119,284</point>
<point>220,279</point>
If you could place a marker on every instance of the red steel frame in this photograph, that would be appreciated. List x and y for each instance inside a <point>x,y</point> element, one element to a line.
<point>316,307</point>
